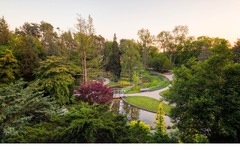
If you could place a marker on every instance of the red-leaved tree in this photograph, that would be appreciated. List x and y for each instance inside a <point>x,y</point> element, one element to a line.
<point>94,92</point>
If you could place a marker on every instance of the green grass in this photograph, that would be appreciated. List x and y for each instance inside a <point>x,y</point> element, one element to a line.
<point>147,103</point>
<point>155,82</point>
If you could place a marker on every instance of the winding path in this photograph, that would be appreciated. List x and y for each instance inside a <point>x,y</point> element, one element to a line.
<point>106,81</point>
<point>155,94</point>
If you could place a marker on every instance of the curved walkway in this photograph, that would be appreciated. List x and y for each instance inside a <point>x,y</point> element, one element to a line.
<point>106,81</point>
<point>155,94</point>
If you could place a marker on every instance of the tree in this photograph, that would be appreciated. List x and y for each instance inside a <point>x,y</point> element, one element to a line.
<point>131,59</point>
<point>146,40</point>
<point>160,62</point>
<point>22,105</point>
<point>114,62</point>
<point>94,93</point>
<point>84,38</point>
<point>160,128</point>
<point>207,97</point>
<point>173,42</point>
<point>107,53</point>
<point>29,29</point>
<point>5,34</point>
<point>164,40</point>
<point>8,66</point>
<point>82,123</point>
<point>236,51</point>
<point>95,57</point>
<point>55,77</point>
<point>139,132</point>
<point>49,39</point>
<point>28,51</point>
<point>135,78</point>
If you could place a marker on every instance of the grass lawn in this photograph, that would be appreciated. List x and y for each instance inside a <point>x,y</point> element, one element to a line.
<point>147,103</point>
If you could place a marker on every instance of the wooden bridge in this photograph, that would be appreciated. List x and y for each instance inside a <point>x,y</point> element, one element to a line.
<point>118,94</point>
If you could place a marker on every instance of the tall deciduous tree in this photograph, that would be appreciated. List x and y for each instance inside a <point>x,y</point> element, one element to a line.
<point>173,42</point>
<point>131,59</point>
<point>84,38</point>
<point>146,40</point>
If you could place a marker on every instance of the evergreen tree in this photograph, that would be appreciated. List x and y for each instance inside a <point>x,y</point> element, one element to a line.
<point>114,62</point>
<point>160,128</point>
<point>55,77</point>
<point>27,49</point>
<point>5,34</point>
<point>21,104</point>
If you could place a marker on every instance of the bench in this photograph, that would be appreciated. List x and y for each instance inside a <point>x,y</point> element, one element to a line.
<point>144,89</point>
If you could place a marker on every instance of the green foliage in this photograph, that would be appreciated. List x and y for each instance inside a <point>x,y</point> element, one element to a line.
<point>9,68</point>
<point>160,62</point>
<point>236,51</point>
<point>160,128</point>
<point>135,78</point>
<point>139,132</point>
<point>130,59</point>
<point>22,105</point>
<point>27,50</point>
<point>207,97</point>
<point>80,124</point>
<point>5,34</point>
<point>114,65</point>
<point>55,77</point>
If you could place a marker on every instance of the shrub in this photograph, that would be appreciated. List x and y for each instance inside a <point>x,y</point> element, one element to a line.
<point>94,92</point>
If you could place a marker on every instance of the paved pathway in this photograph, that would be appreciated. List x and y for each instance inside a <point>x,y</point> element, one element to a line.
<point>106,81</point>
<point>154,94</point>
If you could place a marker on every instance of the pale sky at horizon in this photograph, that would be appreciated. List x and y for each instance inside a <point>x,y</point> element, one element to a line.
<point>214,18</point>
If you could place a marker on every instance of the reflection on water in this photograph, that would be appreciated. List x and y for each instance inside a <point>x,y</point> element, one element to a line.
<point>134,113</point>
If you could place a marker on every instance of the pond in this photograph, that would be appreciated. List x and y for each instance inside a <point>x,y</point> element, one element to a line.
<point>134,113</point>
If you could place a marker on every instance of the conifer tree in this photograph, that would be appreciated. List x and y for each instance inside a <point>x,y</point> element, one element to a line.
<point>22,104</point>
<point>114,62</point>
<point>160,128</point>
<point>5,34</point>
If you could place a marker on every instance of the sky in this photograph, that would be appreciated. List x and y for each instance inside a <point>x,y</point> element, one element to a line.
<point>213,18</point>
